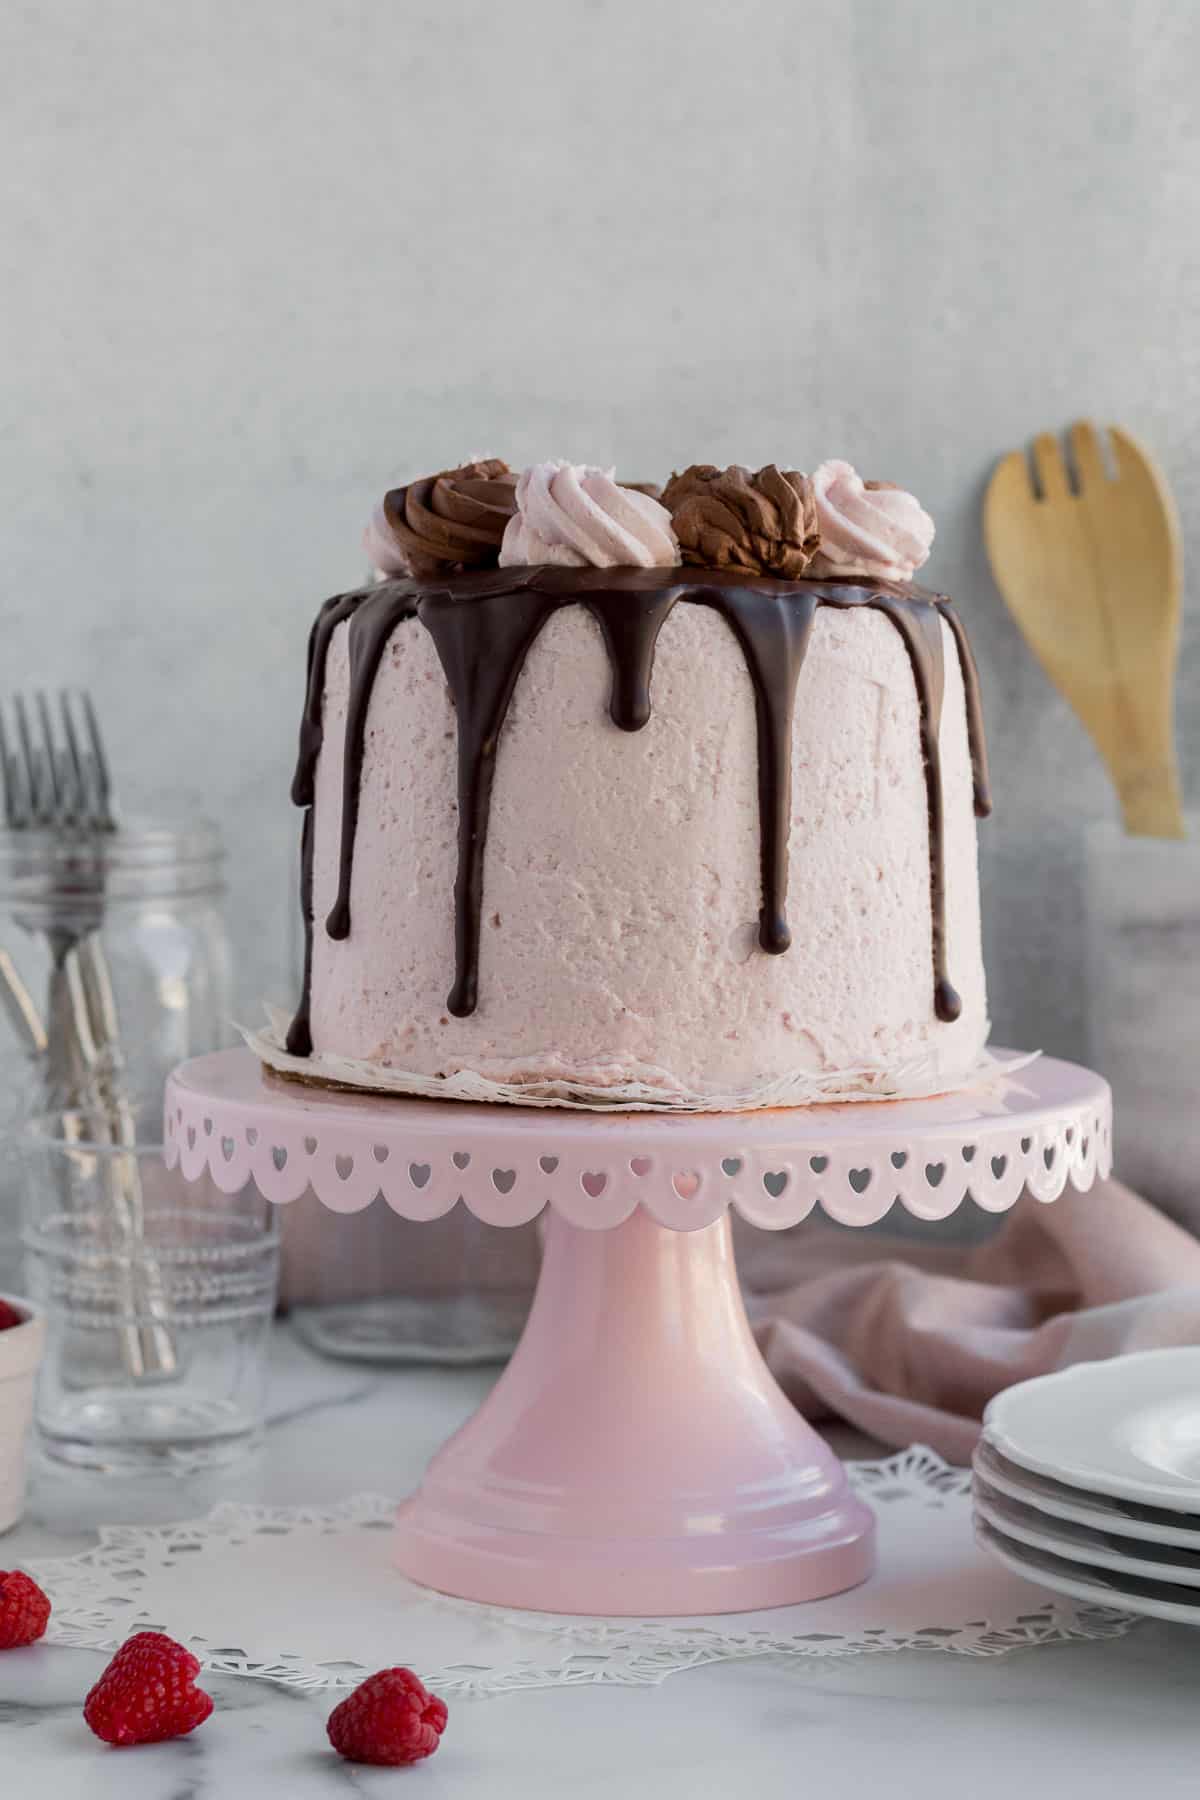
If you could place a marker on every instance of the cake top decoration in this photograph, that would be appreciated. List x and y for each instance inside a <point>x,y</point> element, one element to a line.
<point>768,521</point>
<point>870,528</point>
<point>579,516</point>
<point>764,520</point>
<point>443,523</point>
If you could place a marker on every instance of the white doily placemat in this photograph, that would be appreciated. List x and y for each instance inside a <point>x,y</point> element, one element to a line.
<point>305,1596</point>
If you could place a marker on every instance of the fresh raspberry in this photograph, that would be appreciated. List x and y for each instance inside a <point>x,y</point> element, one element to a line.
<point>147,1693</point>
<point>389,1718</point>
<point>9,1316</point>
<point>24,1610</point>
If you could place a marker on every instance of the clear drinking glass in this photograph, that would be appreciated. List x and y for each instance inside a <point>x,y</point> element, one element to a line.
<point>372,1287</point>
<point>159,1295</point>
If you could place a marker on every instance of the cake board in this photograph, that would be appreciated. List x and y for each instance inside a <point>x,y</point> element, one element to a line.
<point>636,1456</point>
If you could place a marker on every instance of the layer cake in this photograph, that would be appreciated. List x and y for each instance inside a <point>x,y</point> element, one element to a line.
<point>621,799</point>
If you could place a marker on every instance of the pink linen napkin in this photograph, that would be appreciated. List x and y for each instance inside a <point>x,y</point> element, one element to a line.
<point>909,1343</point>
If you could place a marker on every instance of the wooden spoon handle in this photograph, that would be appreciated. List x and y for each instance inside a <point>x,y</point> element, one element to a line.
<point>1151,805</point>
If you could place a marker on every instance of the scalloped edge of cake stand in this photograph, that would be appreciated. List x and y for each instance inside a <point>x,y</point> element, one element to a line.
<point>1048,1124</point>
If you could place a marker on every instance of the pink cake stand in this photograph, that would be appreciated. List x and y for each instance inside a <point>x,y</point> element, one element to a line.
<point>636,1456</point>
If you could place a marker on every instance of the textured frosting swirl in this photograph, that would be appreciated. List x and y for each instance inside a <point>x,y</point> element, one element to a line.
<point>443,523</point>
<point>759,519</point>
<point>579,516</point>
<point>868,527</point>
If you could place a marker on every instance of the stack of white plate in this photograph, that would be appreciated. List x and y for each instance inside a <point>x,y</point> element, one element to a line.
<point>1088,1482</point>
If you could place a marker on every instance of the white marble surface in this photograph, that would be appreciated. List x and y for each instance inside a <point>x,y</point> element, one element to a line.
<point>1071,1720</point>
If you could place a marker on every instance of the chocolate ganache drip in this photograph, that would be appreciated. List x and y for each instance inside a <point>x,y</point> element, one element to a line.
<point>371,625</point>
<point>976,737</point>
<point>920,627</point>
<point>483,625</point>
<point>331,615</point>
<point>482,648</point>
<point>773,631</point>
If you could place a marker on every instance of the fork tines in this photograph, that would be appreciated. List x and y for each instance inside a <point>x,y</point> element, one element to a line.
<point>53,770</point>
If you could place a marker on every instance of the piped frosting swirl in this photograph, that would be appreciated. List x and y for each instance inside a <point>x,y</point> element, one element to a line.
<point>443,524</point>
<point>867,528</point>
<point>579,517</point>
<point>764,520</point>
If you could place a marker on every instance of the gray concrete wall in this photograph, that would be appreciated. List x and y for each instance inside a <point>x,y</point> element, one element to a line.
<point>260,260</point>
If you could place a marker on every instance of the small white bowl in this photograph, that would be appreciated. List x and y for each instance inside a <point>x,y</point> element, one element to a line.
<point>20,1353</point>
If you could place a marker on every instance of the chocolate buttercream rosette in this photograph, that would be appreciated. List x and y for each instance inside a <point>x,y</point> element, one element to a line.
<point>761,520</point>
<point>454,520</point>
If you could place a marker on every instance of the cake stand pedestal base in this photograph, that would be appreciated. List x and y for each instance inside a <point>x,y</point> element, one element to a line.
<point>636,1456</point>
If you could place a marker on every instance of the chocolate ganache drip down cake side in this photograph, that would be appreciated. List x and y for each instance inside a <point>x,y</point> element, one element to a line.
<point>625,797</point>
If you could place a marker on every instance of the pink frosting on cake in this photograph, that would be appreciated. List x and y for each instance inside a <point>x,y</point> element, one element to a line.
<point>573,514</point>
<point>621,886</point>
<point>872,529</point>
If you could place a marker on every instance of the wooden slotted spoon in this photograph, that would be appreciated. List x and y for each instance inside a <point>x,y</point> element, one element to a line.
<point>1091,568</point>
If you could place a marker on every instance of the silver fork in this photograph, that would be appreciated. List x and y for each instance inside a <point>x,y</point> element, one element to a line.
<point>64,787</point>
<point>51,784</point>
<point>59,781</point>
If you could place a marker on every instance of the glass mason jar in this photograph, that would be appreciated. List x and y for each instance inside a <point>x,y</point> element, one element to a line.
<point>119,935</point>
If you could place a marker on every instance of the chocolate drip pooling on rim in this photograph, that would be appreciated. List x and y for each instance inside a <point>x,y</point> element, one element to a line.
<point>483,625</point>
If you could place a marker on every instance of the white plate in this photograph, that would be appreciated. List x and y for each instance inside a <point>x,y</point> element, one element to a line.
<point>1155,1599</point>
<point>1129,1427</point>
<point>1078,1543</point>
<point>1124,1518</point>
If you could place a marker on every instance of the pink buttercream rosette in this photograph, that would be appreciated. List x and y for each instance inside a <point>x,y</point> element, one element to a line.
<point>867,528</point>
<point>579,516</point>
